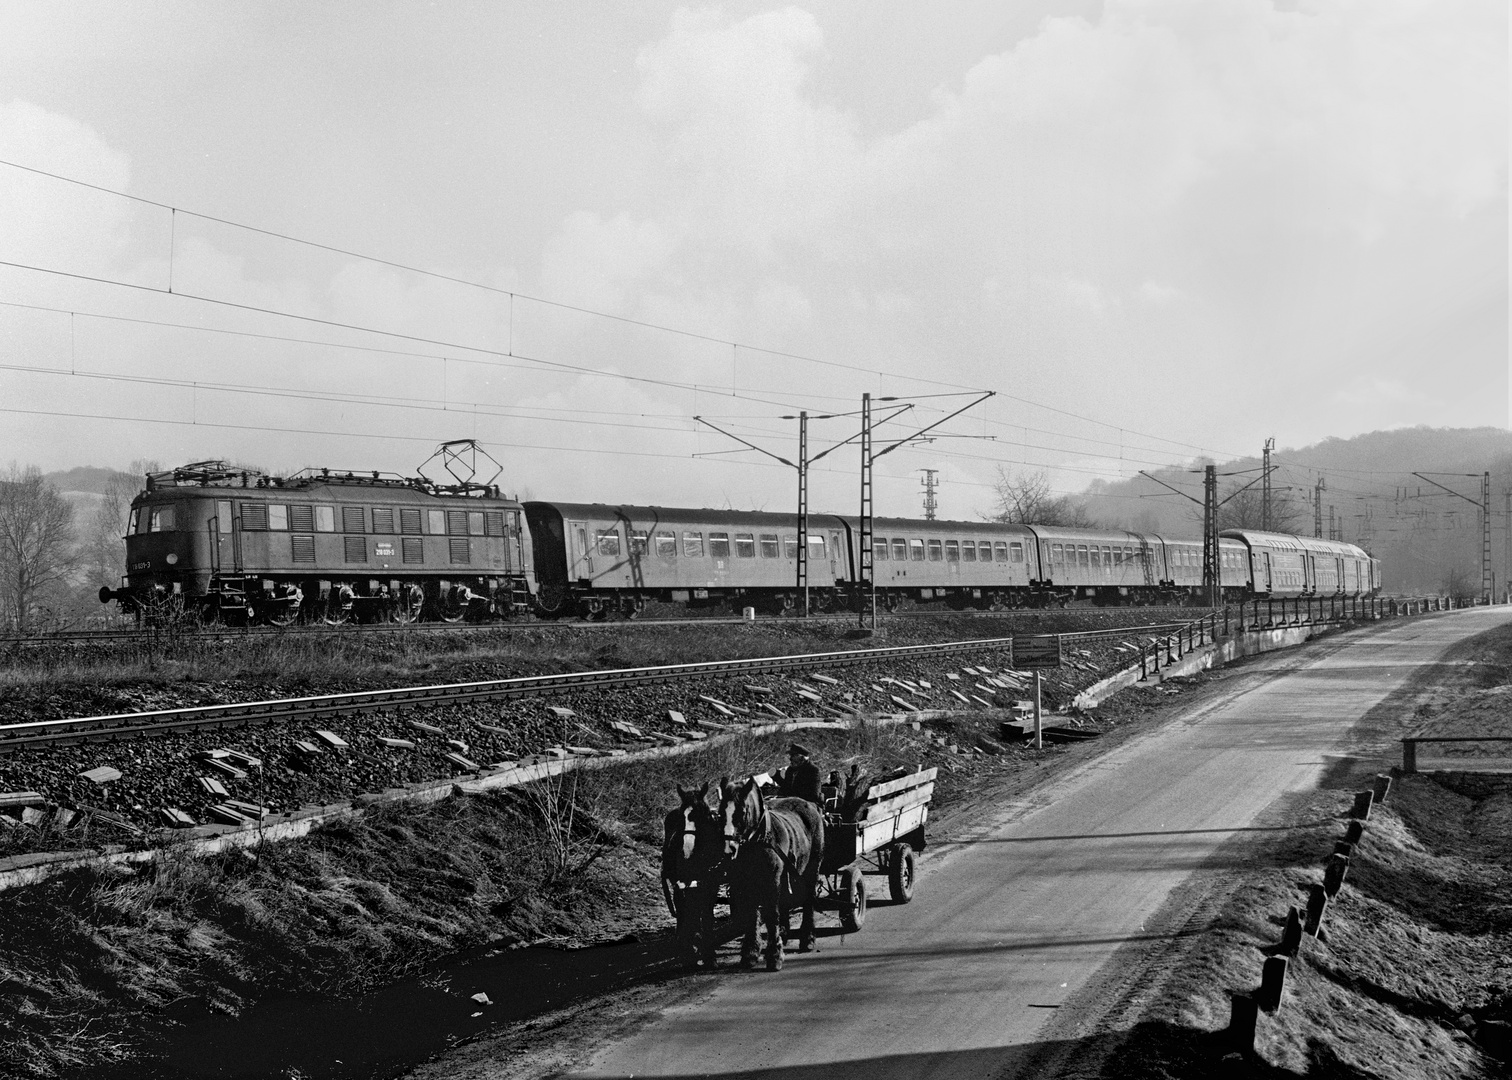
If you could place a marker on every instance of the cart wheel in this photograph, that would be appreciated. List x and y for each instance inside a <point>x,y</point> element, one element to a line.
<point>901,873</point>
<point>852,901</point>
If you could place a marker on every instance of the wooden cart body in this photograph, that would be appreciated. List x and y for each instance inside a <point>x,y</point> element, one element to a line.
<point>887,832</point>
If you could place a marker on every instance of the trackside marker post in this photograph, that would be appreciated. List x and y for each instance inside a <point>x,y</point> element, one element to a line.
<point>1039,651</point>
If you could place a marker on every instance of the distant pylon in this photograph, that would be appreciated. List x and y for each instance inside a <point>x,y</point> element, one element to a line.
<point>930,486</point>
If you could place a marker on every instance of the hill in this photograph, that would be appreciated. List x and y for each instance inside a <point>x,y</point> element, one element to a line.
<point>1427,537</point>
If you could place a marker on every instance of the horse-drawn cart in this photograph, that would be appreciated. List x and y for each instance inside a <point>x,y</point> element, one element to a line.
<point>878,835</point>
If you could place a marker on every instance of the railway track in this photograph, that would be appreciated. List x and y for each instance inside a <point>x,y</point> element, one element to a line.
<point>118,726</point>
<point>210,633</point>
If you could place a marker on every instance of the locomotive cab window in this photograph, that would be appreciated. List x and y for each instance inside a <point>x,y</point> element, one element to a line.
<point>666,545</point>
<point>134,525</point>
<point>693,545</point>
<point>608,543</point>
<point>719,545</point>
<point>936,551</point>
<point>769,548</point>
<point>745,546</point>
<point>162,519</point>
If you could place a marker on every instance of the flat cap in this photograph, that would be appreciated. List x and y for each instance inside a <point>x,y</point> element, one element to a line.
<point>795,748</point>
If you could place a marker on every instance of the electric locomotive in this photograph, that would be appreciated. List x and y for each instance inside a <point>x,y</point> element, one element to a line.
<point>239,546</point>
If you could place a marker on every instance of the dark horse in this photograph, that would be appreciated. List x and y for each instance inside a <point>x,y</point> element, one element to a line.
<point>775,847</point>
<point>691,870</point>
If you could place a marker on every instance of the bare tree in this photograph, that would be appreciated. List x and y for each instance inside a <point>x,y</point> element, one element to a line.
<point>102,552</point>
<point>1027,499</point>
<point>1460,584</point>
<point>36,542</point>
<point>1244,508</point>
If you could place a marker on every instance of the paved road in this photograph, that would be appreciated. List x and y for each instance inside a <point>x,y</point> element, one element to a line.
<point>1014,921</point>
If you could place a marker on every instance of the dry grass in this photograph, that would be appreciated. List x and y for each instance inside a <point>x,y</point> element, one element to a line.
<point>88,959</point>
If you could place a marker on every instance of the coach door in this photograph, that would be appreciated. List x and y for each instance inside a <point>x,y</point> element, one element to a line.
<point>578,551</point>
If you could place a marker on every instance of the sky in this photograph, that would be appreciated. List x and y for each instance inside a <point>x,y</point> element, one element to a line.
<point>338,234</point>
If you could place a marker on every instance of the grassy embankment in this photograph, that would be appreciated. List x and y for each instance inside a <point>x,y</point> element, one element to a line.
<point>88,959</point>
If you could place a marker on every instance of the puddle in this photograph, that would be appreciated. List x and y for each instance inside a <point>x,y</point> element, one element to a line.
<point>391,1030</point>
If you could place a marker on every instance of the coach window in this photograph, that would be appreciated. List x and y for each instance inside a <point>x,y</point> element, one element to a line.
<point>769,548</point>
<point>816,547</point>
<point>162,519</point>
<point>609,543</point>
<point>916,550</point>
<point>666,545</point>
<point>435,522</point>
<point>900,549</point>
<point>1096,557</point>
<point>879,549</point>
<point>719,545</point>
<point>968,551</point>
<point>745,545</point>
<point>936,551</point>
<point>1015,551</point>
<point>790,545</point>
<point>278,516</point>
<point>1081,555</point>
<point>952,551</point>
<point>1056,555</point>
<point>223,516</point>
<point>693,545</point>
<point>638,541</point>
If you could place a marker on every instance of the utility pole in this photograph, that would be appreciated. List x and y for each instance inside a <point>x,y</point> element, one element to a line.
<point>1507,551</point>
<point>930,485</point>
<point>1212,583</point>
<point>868,578</point>
<point>803,463</point>
<point>1487,585</point>
<point>1484,505</point>
<point>1265,486</point>
<point>1318,489</point>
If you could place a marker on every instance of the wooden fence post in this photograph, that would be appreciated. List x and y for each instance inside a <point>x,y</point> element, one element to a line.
<point>1333,874</point>
<point>1291,937</point>
<point>1244,1011</point>
<point>1353,833</point>
<point>1361,808</point>
<point>1409,755</point>
<point>1317,907</point>
<point>1382,787</point>
<point>1272,982</point>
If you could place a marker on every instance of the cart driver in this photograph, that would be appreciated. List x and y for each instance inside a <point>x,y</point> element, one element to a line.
<point>800,780</point>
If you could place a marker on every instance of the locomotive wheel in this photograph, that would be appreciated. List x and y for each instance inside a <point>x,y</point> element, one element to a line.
<point>452,608</point>
<point>280,614</point>
<point>406,605</point>
<point>901,873</point>
<point>852,900</point>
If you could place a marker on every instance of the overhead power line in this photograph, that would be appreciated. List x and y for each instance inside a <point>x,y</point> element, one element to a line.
<point>174,210</point>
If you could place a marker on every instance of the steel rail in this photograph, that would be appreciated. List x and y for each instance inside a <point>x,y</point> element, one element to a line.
<point>204,717</point>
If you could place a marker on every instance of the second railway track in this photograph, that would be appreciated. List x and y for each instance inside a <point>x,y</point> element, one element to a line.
<point>117,726</point>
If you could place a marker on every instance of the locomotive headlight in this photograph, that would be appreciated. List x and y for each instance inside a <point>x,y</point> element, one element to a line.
<point>172,559</point>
